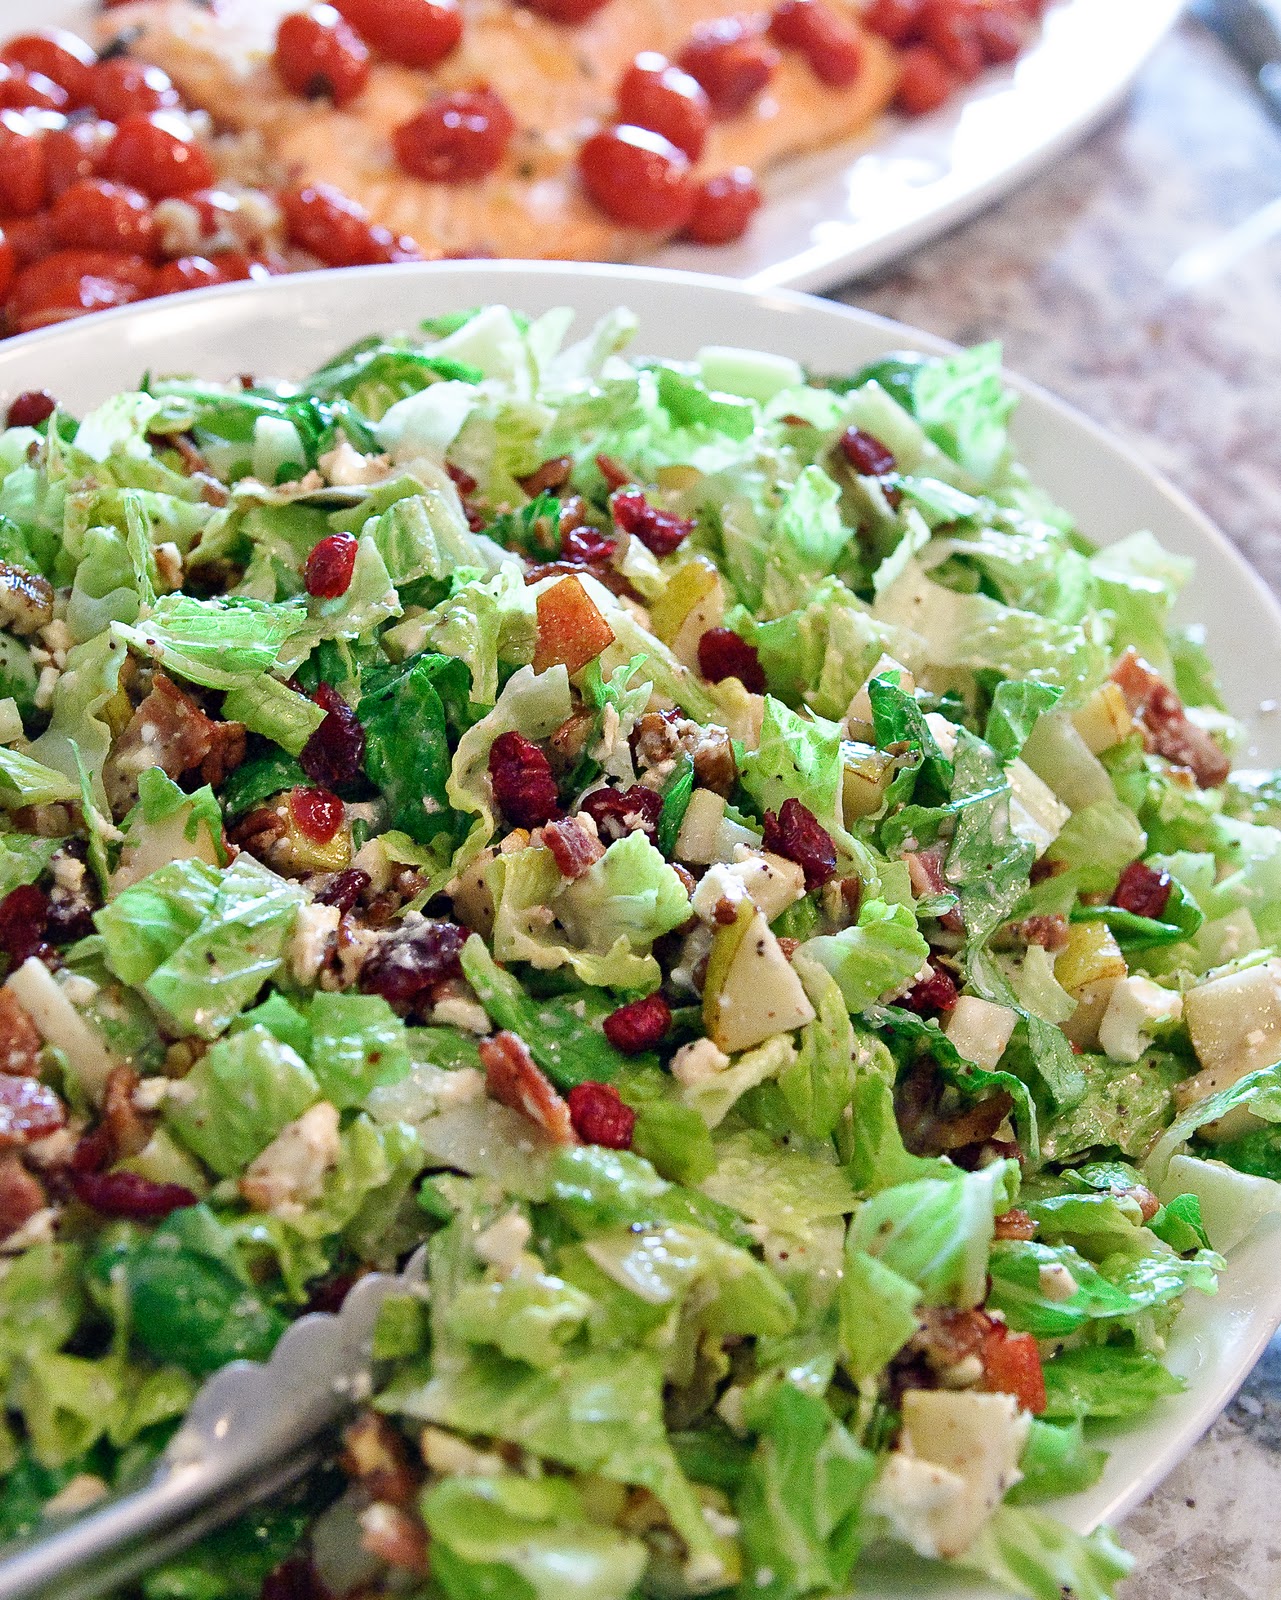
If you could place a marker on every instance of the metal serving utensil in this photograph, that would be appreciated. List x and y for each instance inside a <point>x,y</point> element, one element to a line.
<point>253,1428</point>
<point>1251,33</point>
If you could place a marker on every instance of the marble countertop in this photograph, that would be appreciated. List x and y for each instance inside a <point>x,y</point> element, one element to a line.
<point>1137,279</point>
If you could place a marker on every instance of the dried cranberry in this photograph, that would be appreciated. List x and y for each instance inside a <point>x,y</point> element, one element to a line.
<point>659,531</point>
<point>318,813</point>
<point>461,479</point>
<point>1143,890</point>
<point>638,1025</point>
<point>574,849</point>
<point>406,968</point>
<point>599,1116</point>
<point>334,756</point>
<point>24,915</point>
<point>866,454</point>
<point>794,832</point>
<point>722,653</point>
<point>29,1109</point>
<point>524,785</point>
<point>94,1151</point>
<point>330,566</point>
<point>931,995</point>
<point>617,812</point>
<point>344,889</point>
<point>329,1293</point>
<point>294,1579</point>
<point>130,1196</point>
<point>582,546</point>
<point>30,408</point>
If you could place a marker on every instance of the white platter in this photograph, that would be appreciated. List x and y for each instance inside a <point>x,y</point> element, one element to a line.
<point>838,214</point>
<point>284,327</point>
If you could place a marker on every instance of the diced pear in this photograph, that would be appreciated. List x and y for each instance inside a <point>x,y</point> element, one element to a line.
<point>709,612</point>
<point>867,774</point>
<point>571,629</point>
<point>1136,1006</point>
<point>980,1438</point>
<point>750,992</point>
<point>1082,1027</point>
<point>1234,1023</point>
<point>152,845</point>
<point>1037,814</point>
<point>1104,719</point>
<point>1090,955</point>
<point>980,1030</point>
<point>698,841</point>
<point>769,882</point>
<point>691,583</point>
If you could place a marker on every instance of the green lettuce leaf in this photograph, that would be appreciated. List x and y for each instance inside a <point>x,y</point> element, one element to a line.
<point>878,955</point>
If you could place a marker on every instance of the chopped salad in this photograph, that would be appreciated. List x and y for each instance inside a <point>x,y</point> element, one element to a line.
<point>707,855</point>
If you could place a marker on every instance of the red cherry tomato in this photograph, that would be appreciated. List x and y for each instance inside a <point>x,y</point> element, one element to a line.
<point>122,87</point>
<point>417,33</point>
<point>30,237</point>
<point>565,11</point>
<point>73,153</point>
<point>322,219</point>
<point>654,94</point>
<point>895,20</point>
<point>638,178</point>
<point>71,282</point>
<point>21,90</point>
<point>200,272</point>
<point>22,166</point>
<point>1002,31</point>
<point>950,26</point>
<point>57,54</point>
<point>732,62</point>
<point>828,41</point>
<point>724,206</point>
<point>159,155</point>
<point>318,54</point>
<point>925,81</point>
<point>95,214</point>
<point>8,264</point>
<point>456,137</point>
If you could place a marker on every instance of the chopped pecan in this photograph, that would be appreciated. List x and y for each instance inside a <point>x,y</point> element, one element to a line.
<point>553,474</point>
<point>714,765</point>
<point>515,1079</point>
<point>570,740</point>
<point>946,1337</point>
<point>21,1194</point>
<point>376,1455</point>
<point>128,1128</point>
<point>226,752</point>
<point>930,1126</point>
<point>1014,1224</point>
<point>20,1041</point>
<point>26,600</point>
<point>396,1537</point>
<point>169,731</point>
<point>573,847</point>
<point>1167,728</point>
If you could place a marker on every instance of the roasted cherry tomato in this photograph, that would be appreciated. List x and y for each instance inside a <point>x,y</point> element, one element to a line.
<point>827,40</point>
<point>652,93</point>
<point>200,272</point>
<point>565,11</point>
<point>895,20</point>
<point>318,54</point>
<point>22,165</point>
<point>417,33</point>
<point>925,81</point>
<point>96,214</point>
<point>159,155</point>
<point>122,87</point>
<point>951,27</point>
<point>638,178</point>
<point>58,55</point>
<point>8,264</point>
<point>73,153</point>
<point>72,282</point>
<point>724,206</point>
<point>456,137</point>
<point>731,60</point>
<point>322,219</point>
<point>21,90</point>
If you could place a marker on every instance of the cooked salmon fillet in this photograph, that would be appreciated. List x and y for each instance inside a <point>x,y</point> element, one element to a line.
<point>558,82</point>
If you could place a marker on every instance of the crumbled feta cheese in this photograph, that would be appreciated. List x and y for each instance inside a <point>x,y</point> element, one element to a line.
<point>315,926</point>
<point>151,1093</point>
<point>457,1011</point>
<point>68,873</point>
<point>771,883</point>
<point>47,683</point>
<point>502,1244</point>
<point>291,1170</point>
<point>344,466</point>
<point>696,1062</point>
<point>452,1457</point>
<point>169,566</point>
<point>1055,1281</point>
<point>79,989</point>
<point>1136,1006</point>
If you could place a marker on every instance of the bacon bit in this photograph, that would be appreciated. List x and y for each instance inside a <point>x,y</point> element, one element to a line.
<point>573,847</point>
<point>1167,728</point>
<point>170,730</point>
<point>20,1041</point>
<point>394,1537</point>
<point>553,474</point>
<point>129,1196</point>
<point>1014,1224</point>
<point>376,1455</point>
<point>24,917</point>
<point>929,1131</point>
<point>126,1126</point>
<point>947,1337</point>
<point>599,1115</point>
<point>637,1026</point>
<point>515,1079</point>
<point>1143,891</point>
<point>21,1195</point>
<point>29,1109</point>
